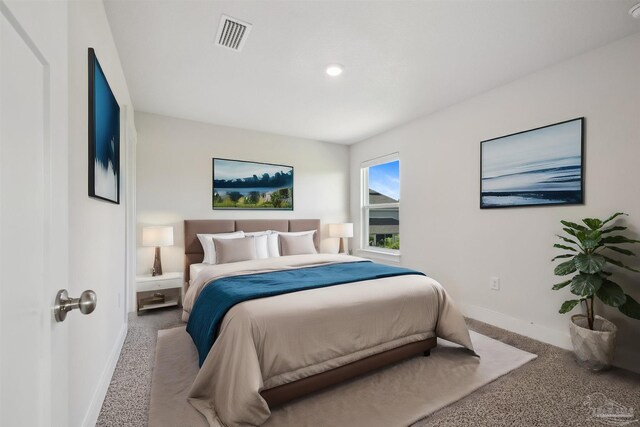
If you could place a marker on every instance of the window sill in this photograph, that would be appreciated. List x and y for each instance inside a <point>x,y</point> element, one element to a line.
<point>385,256</point>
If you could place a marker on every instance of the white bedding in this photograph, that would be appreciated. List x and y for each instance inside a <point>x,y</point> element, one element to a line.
<point>194,270</point>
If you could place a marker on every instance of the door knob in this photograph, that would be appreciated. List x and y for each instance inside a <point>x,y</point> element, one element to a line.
<point>86,303</point>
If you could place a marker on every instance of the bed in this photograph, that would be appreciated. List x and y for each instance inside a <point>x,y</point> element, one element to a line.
<point>270,350</point>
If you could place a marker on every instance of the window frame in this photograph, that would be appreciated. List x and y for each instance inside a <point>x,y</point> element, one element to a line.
<point>366,207</point>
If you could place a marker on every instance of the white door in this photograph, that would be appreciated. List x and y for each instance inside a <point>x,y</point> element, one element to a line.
<point>130,194</point>
<point>33,211</point>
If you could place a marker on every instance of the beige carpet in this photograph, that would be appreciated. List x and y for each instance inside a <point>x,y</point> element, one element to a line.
<point>549,391</point>
<point>396,396</point>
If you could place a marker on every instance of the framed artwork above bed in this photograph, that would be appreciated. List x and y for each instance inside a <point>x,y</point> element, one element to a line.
<point>542,166</point>
<point>239,184</point>
<point>104,136</point>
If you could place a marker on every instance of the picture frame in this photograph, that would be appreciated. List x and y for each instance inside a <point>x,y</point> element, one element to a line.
<point>104,135</point>
<point>249,185</point>
<point>543,166</point>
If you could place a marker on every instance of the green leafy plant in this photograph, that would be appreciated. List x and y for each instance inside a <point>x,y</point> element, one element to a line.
<point>588,246</point>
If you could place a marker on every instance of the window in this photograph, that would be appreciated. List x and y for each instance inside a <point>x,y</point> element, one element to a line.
<point>381,204</point>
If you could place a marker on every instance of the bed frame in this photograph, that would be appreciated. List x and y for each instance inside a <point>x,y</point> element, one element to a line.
<point>193,253</point>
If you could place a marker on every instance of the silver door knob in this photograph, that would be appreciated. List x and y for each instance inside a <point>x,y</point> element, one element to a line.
<point>86,303</point>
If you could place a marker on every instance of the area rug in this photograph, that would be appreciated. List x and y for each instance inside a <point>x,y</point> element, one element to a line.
<point>398,395</point>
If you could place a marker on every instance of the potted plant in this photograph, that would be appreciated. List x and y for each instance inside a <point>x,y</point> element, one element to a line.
<point>589,245</point>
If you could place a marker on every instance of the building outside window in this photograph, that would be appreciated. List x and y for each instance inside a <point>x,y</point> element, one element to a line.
<point>381,203</point>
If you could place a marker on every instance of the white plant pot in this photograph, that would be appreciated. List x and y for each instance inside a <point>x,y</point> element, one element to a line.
<point>593,348</point>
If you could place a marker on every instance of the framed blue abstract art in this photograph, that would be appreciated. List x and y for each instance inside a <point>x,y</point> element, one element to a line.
<point>542,166</point>
<point>104,136</point>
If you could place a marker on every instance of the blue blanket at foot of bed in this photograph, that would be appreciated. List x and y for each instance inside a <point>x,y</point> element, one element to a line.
<point>217,298</point>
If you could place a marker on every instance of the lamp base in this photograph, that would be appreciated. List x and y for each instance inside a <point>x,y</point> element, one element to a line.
<point>157,264</point>
<point>341,248</point>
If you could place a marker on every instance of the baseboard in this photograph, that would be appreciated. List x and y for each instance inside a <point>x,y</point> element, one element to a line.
<point>538,332</point>
<point>523,327</point>
<point>100,393</point>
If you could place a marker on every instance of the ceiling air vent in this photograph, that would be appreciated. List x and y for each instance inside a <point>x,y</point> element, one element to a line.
<point>232,33</point>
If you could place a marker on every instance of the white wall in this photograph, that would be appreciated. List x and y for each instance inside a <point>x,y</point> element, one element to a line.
<point>97,228</point>
<point>174,177</point>
<point>445,234</point>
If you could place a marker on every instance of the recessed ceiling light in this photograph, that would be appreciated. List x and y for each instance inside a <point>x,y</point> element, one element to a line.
<point>635,11</point>
<point>334,70</point>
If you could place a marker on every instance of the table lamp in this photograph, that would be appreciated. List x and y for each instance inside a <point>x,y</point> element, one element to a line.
<point>342,231</point>
<point>157,236</point>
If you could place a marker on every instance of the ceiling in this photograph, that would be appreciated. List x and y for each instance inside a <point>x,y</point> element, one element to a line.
<point>402,59</point>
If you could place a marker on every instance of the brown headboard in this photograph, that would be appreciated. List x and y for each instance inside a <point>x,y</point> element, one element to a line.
<point>193,252</point>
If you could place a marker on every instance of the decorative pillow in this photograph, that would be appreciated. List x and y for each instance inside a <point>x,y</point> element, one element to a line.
<point>208,246</point>
<point>292,233</point>
<point>235,250</point>
<point>297,244</point>
<point>262,248</point>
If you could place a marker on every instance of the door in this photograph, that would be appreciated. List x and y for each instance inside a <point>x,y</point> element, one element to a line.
<point>130,194</point>
<point>33,211</point>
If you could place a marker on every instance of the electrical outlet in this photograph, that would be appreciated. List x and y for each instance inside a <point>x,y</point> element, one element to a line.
<point>494,283</point>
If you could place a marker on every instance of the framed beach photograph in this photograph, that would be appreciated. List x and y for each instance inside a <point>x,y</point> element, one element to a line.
<point>542,166</point>
<point>104,136</point>
<point>239,184</point>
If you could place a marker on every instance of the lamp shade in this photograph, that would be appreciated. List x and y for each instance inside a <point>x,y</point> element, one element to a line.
<point>341,230</point>
<point>157,236</point>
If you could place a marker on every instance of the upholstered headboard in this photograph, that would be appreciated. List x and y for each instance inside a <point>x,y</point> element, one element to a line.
<point>193,252</point>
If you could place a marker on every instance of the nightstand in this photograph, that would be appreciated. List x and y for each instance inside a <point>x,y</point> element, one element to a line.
<point>168,284</point>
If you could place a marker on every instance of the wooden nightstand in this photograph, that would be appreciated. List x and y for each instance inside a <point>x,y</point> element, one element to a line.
<point>168,284</point>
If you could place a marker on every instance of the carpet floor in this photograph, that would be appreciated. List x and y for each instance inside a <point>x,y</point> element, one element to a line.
<point>395,396</point>
<point>550,391</point>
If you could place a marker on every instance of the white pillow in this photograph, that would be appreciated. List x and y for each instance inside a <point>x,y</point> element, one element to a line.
<point>273,244</point>
<point>234,250</point>
<point>296,233</point>
<point>261,239</point>
<point>206,240</point>
<point>297,244</point>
